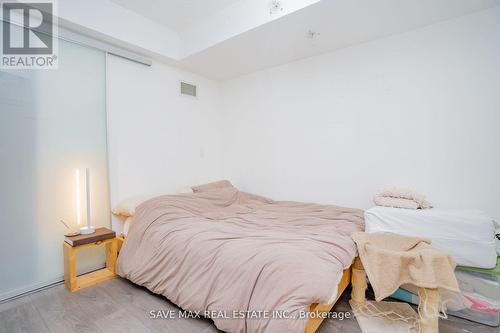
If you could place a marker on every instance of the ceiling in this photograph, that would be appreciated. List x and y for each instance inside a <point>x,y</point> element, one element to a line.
<point>341,23</point>
<point>178,15</point>
<point>237,37</point>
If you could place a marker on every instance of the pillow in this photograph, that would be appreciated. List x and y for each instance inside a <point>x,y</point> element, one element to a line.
<point>184,190</point>
<point>126,225</point>
<point>127,207</point>
<point>212,186</point>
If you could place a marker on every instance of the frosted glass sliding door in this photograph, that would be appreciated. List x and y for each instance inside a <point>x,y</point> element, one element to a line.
<point>51,122</point>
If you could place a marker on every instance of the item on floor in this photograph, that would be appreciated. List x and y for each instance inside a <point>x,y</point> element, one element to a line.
<point>391,260</point>
<point>484,282</point>
<point>100,234</point>
<point>482,288</point>
<point>466,235</point>
<point>451,300</point>
<point>480,295</point>
<point>405,296</point>
<point>480,310</point>
<point>401,198</point>
<point>386,317</point>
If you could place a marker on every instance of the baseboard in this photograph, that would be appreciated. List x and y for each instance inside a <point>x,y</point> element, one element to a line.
<point>30,289</point>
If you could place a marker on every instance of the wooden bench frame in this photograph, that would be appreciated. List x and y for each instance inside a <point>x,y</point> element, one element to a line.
<point>429,320</point>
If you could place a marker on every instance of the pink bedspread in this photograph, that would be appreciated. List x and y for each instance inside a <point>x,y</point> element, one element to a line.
<point>225,251</point>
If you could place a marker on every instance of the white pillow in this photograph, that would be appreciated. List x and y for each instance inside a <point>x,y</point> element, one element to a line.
<point>184,190</point>
<point>127,207</point>
<point>212,186</point>
<point>126,225</point>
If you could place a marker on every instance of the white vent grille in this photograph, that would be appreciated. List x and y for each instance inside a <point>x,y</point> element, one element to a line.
<point>188,89</point>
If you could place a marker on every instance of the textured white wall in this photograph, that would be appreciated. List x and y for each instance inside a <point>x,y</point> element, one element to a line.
<point>418,110</point>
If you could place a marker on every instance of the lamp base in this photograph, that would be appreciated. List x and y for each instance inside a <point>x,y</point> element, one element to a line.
<point>87,230</point>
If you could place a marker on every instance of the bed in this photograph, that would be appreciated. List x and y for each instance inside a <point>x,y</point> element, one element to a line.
<point>250,263</point>
<point>468,236</point>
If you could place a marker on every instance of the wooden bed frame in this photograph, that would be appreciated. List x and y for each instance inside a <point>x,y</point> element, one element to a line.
<point>313,323</point>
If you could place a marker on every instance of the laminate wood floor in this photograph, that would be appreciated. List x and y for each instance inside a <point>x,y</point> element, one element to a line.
<point>120,306</point>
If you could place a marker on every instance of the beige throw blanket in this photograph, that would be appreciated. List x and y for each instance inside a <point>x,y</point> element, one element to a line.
<point>391,260</point>
<point>401,198</point>
<point>225,250</point>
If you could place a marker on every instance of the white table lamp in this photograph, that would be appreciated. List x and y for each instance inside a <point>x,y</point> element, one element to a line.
<point>88,229</point>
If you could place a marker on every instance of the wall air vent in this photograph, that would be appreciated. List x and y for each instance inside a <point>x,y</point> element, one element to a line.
<point>188,89</point>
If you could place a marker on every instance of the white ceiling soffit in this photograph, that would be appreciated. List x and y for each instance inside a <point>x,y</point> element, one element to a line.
<point>341,23</point>
<point>114,24</point>
<point>200,24</point>
<point>170,30</point>
<point>242,16</point>
<point>177,15</point>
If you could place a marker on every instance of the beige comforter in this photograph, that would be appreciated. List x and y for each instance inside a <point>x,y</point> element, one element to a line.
<point>225,250</point>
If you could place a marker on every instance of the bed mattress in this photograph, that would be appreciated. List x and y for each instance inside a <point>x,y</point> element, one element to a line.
<point>466,235</point>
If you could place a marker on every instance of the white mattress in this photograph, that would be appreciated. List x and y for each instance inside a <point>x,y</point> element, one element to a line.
<point>468,236</point>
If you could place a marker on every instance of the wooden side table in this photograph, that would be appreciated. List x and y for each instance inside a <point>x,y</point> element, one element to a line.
<point>74,282</point>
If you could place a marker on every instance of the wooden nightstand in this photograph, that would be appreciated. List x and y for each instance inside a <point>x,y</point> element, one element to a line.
<point>74,282</point>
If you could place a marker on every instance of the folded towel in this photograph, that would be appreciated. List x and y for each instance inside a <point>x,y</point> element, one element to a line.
<point>401,198</point>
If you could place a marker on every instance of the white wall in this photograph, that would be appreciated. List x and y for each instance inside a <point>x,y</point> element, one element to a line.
<point>159,141</point>
<point>418,110</point>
